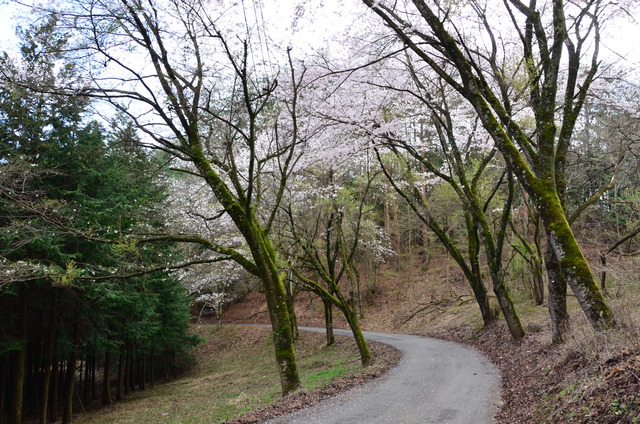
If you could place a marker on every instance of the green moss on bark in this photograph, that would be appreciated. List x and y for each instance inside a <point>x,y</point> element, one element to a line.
<point>571,261</point>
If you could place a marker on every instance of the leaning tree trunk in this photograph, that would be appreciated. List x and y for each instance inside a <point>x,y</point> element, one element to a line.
<point>572,264</point>
<point>506,306</point>
<point>363,348</point>
<point>474,272</point>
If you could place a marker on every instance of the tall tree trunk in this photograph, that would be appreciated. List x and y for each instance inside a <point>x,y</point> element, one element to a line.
<point>4,384</point>
<point>396,231</point>
<point>106,381</point>
<point>48,362</point>
<point>70,378</point>
<point>387,215</point>
<point>129,385</point>
<point>358,293</point>
<point>69,386</point>
<point>55,385</point>
<point>539,263</point>
<point>94,392</point>
<point>80,372</point>
<point>328,321</point>
<point>264,266</point>
<point>557,298</point>
<point>142,371</point>
<point>33,373</point>
<point>264,256</point>
<point>20,362</point>
<point>121,372</point>
<point>86,385</point>
<point>537,280</point>
<point>292,308</point>
<point>603,273</point>
<point>153,367</point>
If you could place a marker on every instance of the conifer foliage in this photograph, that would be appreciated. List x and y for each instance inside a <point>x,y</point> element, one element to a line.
<point>75,324</point>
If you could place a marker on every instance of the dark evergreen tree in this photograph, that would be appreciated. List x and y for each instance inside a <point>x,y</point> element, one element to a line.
<point>73,295</point>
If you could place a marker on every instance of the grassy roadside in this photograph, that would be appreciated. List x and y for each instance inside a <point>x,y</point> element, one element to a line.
<point>234,374</point>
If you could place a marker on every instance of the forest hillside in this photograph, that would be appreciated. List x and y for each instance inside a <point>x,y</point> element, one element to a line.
<point>591,378</point>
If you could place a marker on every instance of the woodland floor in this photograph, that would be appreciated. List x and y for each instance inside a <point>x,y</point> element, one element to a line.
<point>594,377</point>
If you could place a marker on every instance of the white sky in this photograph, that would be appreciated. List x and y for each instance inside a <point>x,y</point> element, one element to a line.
<point>321,19</point>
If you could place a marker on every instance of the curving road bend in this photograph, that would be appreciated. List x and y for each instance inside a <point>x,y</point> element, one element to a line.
<point>435,382</point>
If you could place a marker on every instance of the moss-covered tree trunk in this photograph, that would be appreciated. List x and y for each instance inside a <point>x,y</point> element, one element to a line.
<point>264,257</point>
<point>282,335</point>
<point>557,298</point>
<point>264,266</point>
<point>474,277</point>
<point>506,306</point>
<point>572,266</point>
<point>292,309</point>
<point>365,354</point>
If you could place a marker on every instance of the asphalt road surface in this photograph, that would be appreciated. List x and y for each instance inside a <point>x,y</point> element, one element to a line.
<point>435,382</point>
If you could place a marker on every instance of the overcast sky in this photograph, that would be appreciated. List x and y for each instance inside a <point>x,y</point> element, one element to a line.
<point>311,24</point>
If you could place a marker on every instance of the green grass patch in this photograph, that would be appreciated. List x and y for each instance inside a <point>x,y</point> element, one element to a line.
<point>322,378</point>
<point>235,373</point>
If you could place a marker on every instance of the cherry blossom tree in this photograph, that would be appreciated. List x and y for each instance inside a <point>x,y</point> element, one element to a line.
<point>197,93</point>
<point>559,46</point>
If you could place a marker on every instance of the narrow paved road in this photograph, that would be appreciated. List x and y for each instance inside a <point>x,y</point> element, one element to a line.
<point>435,382</point>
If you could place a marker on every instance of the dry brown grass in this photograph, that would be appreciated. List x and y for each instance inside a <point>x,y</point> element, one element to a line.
<point>234,373</point>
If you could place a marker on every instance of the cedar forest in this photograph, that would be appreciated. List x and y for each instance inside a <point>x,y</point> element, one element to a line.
<point>163,152</point>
